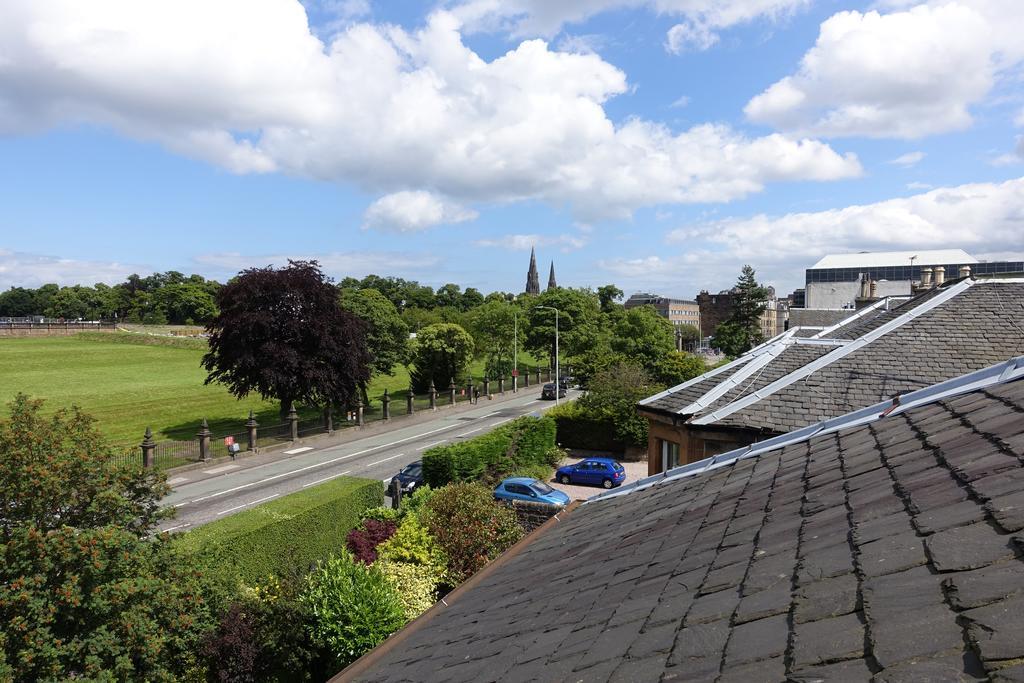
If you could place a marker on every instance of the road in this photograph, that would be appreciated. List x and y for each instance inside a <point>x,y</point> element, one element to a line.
<point>202,496</point>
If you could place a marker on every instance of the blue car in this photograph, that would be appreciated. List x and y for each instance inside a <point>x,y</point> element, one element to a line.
<point>605,472</point>
<point>524,488</point>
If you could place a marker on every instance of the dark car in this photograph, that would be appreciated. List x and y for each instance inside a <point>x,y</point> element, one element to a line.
<point>548,392</point>
<point>410,477</point>
<point>605,472</point>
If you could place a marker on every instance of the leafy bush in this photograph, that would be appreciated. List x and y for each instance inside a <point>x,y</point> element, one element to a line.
<point>383,513</point>
<point>354,607</point>
<point>490,457</point>
<point>539,472</point>
<point>287,536</point>
<point>612,397</point>
<point>415,583</point>
<point>412,544</point>
<point>362,542</point>
<point>412,505</point>
<point>470,527</point>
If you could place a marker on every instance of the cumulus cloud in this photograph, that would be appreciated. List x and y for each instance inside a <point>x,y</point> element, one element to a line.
<point>335,264</point>
<point>698,30</point>
<point>250,88</point>
<point>565,243</point>
<point>21,269</point>
<point>412,211</point>
<point>987,218</point>
<point>902,74</point>
<point>907,160</point>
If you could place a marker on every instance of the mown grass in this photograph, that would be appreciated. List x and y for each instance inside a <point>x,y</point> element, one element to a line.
<point>131,381</point>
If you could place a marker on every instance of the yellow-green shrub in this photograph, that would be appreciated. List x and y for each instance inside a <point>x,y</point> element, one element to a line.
<point>416,584</point>
<point>411,544</point>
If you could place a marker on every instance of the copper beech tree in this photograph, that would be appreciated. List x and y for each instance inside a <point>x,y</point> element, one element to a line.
<point>282,334</point>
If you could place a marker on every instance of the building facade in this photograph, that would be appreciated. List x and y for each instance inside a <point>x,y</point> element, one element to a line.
<point>676,311</point>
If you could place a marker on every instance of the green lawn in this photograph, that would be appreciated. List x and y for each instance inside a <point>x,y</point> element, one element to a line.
<point>128,382</point>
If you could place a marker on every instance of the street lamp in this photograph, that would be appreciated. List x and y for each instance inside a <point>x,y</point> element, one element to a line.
<point>558,376</point>
<point>515,352</point>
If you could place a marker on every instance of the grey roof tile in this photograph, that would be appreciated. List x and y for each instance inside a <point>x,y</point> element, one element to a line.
<point>983,586</point>
<point>828,640</point>
<point>968,547</point>
<point>996,629</point>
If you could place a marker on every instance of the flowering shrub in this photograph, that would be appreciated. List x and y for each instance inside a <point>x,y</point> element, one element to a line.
<point>354,607</point>
<point>416,583</point>
<point>362,542</point>
<point>470,527</point>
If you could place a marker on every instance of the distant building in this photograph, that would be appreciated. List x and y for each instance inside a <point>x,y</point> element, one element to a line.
<point>677,311</point>
<point>837,281</point>
<point>551,278</point>
<point>532,277</point>
<point>714,309</point>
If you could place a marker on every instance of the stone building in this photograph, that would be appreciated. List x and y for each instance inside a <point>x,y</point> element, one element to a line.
<point>676,311</point>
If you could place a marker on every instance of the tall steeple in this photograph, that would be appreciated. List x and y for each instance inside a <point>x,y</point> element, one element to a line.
<point>551,278</point>
<point>532,277</point>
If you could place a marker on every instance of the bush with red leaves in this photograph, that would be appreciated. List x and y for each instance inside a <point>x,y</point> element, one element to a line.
<point>362,542</point>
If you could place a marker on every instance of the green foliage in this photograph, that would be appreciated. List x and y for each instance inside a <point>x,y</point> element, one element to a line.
<point>354,607</point>
<point>612,396</point>
<point>137,339</point>
<point>441,352</point>
<point>539,472</point>
<point>742,331</point>
<point>608,296</point>
<point>522,442</point>
<point>581,428</point>
<point>493,326</point>
<point>387,336</point>
<point>411,544</point>
<point>470,527</point>
<point>677,367</point>
<point>418,318</point>
<point>412,505</point>
<point>579,322</point>
<point>732,339</point>
<point>415,583</point>
<point>643,336</point>
<point>382,513</point>
<point>287,535</point>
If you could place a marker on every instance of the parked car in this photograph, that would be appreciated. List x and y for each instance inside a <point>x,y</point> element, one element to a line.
<point>548,392</point>
<point>524,488</point>
<point>606,472</point>
<point>410,477</point>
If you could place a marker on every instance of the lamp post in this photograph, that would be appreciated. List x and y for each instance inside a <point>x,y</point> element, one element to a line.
<point>515,351</point>
<point>558,378</point>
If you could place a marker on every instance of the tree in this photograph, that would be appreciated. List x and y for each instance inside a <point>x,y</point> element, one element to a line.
<point>612,395</point>
<point>689,334</point>
<point>493,327</point>
<point>643,336</point>
<point>678,367</point>
<point>441,354</point>
<point>418,318</point>
<point>387,335</point>
<point>448,295</point>
<point>742,331</point>
<point>185,303</point>
<point>86,590</point>
<point>579,322</point>
<point>283,334</point>
<point>471,298</point>
<point>608,295</point>
<point>18,302</point>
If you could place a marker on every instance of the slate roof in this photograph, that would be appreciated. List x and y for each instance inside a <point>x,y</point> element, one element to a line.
<point>816,317</point>
<point>889,551</point>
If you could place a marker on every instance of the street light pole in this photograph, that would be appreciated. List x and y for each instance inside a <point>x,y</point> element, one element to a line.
<point>558,376</point>
<point>515,352</point>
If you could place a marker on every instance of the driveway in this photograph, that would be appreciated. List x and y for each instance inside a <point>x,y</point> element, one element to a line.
<point>634,471</point>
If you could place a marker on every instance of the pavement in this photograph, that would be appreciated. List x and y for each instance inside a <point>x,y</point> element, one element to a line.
<point>224,488</point>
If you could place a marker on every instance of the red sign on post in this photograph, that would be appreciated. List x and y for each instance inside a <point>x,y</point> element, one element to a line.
<point>229,440</point>
<point>515,373</point>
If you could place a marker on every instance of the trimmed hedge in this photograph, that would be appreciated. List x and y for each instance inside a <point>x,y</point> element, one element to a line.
<point>287,536</point>
<point>525,441</point>
<point>577,428</point>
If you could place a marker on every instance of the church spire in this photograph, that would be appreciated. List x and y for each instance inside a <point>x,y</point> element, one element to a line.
<point>551,278</point>
<point>532,277</point>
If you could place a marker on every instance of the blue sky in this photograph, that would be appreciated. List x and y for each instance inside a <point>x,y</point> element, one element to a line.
<point>658,144</point>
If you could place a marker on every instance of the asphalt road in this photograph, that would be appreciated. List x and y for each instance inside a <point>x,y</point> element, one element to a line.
<point>202,496</point>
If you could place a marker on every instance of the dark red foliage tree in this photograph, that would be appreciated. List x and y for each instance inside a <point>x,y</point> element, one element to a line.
<point>363,542</point>
<point>282,334</point>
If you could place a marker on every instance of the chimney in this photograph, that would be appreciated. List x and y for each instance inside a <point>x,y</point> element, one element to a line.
<point>940,275</point>
<point>926,277</point>
<point>965,271</point>
<point>874,289</point>
<point>864,286</point>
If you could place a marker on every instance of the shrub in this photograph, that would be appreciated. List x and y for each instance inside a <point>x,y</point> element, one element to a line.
<point>539,472</point>
<point>354,607</point>
<point>470,527</point>
<point>490,457</point>
<point>363,541</point>
<point>383,513</point>
<point>287,536</point>
<point>412,544</point>
<point>412,505</point>
<point>415,583</point>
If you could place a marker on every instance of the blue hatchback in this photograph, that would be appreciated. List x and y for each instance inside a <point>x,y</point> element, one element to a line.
<point>605,472</point>
<point>532,490</point>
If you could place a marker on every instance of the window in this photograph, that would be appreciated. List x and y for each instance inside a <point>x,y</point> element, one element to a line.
<point>669,455</point>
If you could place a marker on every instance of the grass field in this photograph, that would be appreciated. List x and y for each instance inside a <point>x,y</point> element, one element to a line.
<point>129,381</point>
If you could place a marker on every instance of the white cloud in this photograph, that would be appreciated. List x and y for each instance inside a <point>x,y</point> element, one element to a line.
<point>987,218</point>
<point>412,211</point>
<point>248,87</point>
<point>907,160</point>
<point>566,243</point>
<point>917,185</point>
<point>335,264</point>
<point>680,102</point>
<point>903,74</point>
<point>583,44</point>
<point>702,19</point>
<point>21,269</point>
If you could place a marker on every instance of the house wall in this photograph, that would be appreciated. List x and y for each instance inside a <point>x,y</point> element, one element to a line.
<point>695,443</point>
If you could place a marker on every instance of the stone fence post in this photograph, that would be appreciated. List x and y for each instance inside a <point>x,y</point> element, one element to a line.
<point>148,446</point>
<point>329,420</point>
<point>433,396</point>
<point>204,441</point>
<point>538,374</point>
<point>293,421</point>
<point>360,418</point>
<point>250,426</point>
<point>451,393</point>
<point>501,385</point>
<point>487,387</point>
<point>385,406</point>
<point>409,399</point>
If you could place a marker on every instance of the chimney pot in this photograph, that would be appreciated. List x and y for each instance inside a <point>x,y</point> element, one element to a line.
<point>940,275</point>
<point>874,289</point>
<point>926,277</point>
<point>965,271</point>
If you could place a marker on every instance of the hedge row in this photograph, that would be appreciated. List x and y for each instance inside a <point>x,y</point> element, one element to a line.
<point>577,428</point>
<point>289,535</point>
<point>526,441</point>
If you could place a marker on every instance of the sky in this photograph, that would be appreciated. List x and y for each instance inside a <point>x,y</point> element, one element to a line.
<point>656,144</point>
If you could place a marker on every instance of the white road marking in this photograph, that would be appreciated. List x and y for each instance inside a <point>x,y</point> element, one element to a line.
<point>255,502</point>
<point>471,431</point>
<point>177,480</point>
<point>296,451</point>
<point>385,460</point>
<point>431,445</point>
<point>508,419</point>
<point>180,526</point>
<point>320,481</point>
<point>222,468</point>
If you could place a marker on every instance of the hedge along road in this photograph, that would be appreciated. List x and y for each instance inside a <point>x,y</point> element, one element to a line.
<point>202,496</point>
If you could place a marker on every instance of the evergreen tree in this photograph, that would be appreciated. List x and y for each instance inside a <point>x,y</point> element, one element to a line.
<point>742,331</point>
